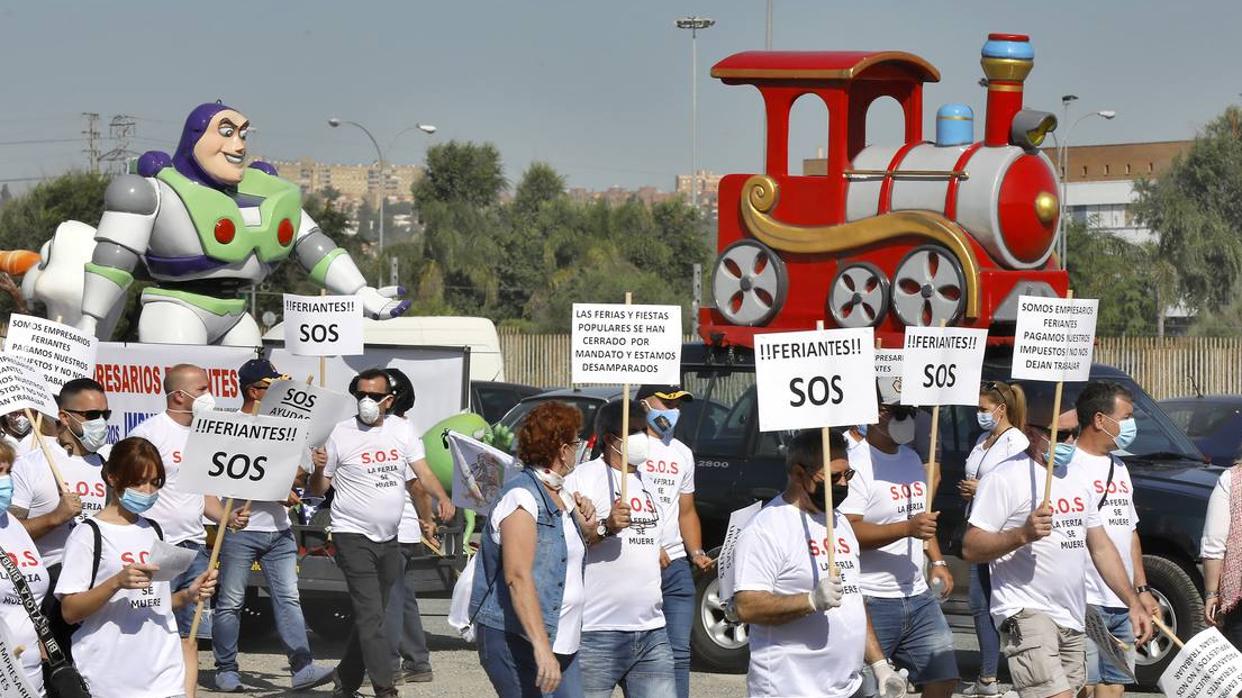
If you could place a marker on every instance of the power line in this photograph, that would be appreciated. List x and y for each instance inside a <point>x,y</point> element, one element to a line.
<point>92,135</point>
<point>40,141</point>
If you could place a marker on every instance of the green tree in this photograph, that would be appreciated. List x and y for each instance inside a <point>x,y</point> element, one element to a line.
<point>469,173</point>
<point>540,184</point>
<point>27,221</point>
<point>1196,209</point>
<point>1104,266</point>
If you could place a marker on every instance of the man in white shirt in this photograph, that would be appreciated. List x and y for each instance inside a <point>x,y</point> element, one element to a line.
<point>624,642</point>
<point>48,511</point>
<point>370,468</point>
<point>1039,554</point>
<point>670,471</point>
<point>887,510</point>
<point>187,392</point>
<point>1106,423</point>
<point>809,631</point>
<point>268,540</point>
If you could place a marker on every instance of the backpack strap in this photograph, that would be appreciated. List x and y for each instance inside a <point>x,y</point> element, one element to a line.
<point>159,532</point>
<point>98,536</point>
<point>1112,467</point>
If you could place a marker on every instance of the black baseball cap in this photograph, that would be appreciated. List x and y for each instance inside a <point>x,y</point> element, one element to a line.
<point>664,392</point>
<point>256,371</point>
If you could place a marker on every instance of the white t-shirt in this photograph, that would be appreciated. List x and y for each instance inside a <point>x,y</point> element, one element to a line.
<point>35,490</point>
<point>889,488</point>
<point>369,467</point>
<point>1046,575</point>
<point>569,627</point>
<point>179,514</point>
<point>409,531</point>
<point>28,443</point>
<point>1011,444</point>
<point>623,580</point>
<point>1117,515</point>
<point>129,648</point>
<point>1216,528</point>
<point>21,549</point>
<point>670,473</point>
<point>783,550</point>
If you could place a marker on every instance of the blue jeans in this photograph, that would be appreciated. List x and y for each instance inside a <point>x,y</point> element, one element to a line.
<point>403,623</point>
<point>1117,620</point>
<point>913,633</point>
<point>277,554</point>
<point>185,614</point>
<point>678,585</point>
<point>640,662</point>
<point>509,661</point>
<point>985,629</point>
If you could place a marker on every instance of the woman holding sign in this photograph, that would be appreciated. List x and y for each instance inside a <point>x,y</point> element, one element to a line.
<point>16,542</point>
<point>1001,406</point>
<point>127,644</point>
<point>529,589</point>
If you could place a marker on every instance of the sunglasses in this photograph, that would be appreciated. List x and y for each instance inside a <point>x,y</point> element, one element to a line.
<point>378,397</point>
<point>91,414</point>
<point>847,475</point>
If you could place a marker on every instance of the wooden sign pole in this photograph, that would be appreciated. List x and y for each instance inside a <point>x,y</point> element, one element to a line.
<point>829,513</point>
<point>1050,466</point>
<point>47,454</point>
<point>625,430</point>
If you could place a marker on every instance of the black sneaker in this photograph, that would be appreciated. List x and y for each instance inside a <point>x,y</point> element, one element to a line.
<point>417,675</point>
<point>339,691</point>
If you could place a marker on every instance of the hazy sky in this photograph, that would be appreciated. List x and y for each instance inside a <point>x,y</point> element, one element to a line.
<point>598,89</point>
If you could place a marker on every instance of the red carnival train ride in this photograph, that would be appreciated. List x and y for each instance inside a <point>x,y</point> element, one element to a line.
<point>893,235</point>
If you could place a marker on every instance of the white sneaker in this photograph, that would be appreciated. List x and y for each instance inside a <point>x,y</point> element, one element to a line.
<point>982,689</point>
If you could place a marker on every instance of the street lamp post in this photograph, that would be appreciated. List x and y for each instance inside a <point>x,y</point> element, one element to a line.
<point>425,128</point>
<point>1063,164</point>
<point>694,24</point>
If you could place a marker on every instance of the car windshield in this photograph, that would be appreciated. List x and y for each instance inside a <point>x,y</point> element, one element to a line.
<point>586,405</point>
<point>1157,435</point>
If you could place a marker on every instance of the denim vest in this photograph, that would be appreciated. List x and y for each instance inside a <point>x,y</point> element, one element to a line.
<point>490,603</point>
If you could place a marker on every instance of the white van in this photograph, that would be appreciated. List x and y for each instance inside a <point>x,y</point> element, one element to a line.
<point>477,333</point>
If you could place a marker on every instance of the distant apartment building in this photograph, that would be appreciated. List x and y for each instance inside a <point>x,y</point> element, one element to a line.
<point>356,183</point>
<point>618,195</point>
<point>708,186</point>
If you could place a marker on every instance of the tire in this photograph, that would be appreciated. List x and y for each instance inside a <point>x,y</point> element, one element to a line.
<point>715,643</point>
<point>331,618</point>
<point>1179,598</point>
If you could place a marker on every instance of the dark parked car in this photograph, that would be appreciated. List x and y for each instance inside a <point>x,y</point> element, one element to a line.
<point>1214,422</point>
<point>737,464</point>
<point>492,399</point>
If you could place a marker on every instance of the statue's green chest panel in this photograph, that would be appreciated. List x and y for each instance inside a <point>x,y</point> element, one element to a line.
<point>218,220</point>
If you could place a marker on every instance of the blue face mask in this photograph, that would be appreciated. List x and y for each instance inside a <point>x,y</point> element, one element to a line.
<point>862,429</point>
<point>1064,454</point>
<point>987,420</point>
<point>1127,429</point>
<point>138,502</point>
<point>663,421</point>
<point>6,492</point>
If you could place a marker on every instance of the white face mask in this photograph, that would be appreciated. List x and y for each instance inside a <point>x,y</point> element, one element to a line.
<point>368,410</point>
<point>639,445</point>
<point>20,424</point>
<point>549,478</point>
<point>202,404</point>
<point>901,430</point>
<point>94,433</point>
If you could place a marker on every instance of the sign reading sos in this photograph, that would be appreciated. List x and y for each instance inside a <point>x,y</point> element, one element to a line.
<point>820,547</point>
<point>391,455</point>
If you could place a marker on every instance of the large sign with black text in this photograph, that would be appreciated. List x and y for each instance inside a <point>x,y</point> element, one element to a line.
<point>818,378</point>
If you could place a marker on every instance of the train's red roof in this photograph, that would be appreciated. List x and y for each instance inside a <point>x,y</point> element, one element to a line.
<point>752,66</point>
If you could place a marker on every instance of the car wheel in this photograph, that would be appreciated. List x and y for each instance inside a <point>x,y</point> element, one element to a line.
<point>716,643</point>
<point>330,618</point>
<point>1181,609</point>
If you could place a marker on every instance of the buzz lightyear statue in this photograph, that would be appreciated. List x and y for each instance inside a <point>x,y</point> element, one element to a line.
<point>206,226</point>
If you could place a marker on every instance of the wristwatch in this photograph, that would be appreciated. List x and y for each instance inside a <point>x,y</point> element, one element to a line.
<point>602,530</point>
<point>939,563</point>
<point>1142,589</point>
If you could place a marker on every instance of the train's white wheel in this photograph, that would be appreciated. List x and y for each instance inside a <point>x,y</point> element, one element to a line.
<point>858,296</point>
<point>928,287</point>
<point>749,283</point>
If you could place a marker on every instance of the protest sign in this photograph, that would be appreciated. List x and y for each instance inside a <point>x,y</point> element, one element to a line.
<point>298,400</point>
<point>172,560</point>
<point>1207,666</point>
<point>888,364</point>
<point>23,388</point>
<point>60,352</point>
<point>1109,647</point>
<point>13,681</point>
<point>479,472</point>
<point>942,366</point>
<point>229,454</point>
<point>613,343</point>
<point>724,562</point>
<point>323,325</point>
<point>816,378</point>
<point>1053,338</point>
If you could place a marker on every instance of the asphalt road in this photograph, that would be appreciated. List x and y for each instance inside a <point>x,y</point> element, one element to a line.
<point>456,666</point>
